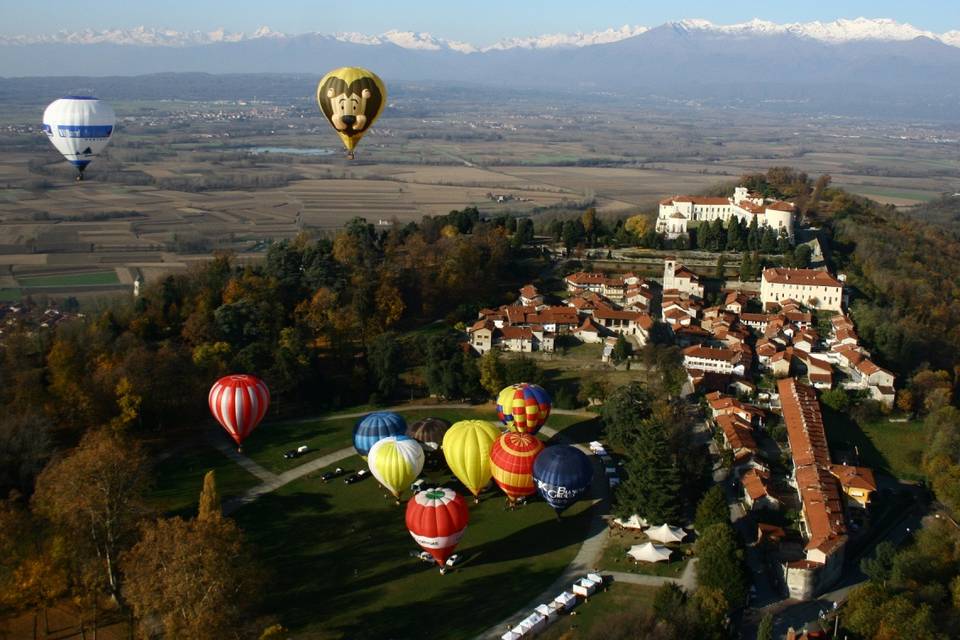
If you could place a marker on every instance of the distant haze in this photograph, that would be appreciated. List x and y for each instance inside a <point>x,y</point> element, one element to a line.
<point>854,66</point>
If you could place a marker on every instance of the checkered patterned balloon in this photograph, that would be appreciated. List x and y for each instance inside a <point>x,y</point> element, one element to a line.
<point>511,462</point>
<point>523,407</point>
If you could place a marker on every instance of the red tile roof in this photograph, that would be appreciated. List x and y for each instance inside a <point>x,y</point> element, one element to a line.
<point>707,353</point>
<point>517,333</point>
<point>819,491</point>
<point>806,277</point>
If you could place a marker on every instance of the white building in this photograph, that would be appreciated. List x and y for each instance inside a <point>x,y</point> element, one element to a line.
<point>677,211</point>
<point>713,360</point>
<point>811,287</point>
<point>677,277</point>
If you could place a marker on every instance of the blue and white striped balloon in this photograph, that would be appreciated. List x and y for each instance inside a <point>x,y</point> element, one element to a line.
<point>79,127</point>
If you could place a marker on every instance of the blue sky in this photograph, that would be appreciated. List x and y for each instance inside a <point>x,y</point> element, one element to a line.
<point>478,21</point>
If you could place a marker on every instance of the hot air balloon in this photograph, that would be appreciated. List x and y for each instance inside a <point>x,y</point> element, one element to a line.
<point>79,127</point>
<point>395,461</point>
<point>376,426</point>
<point>429,431</point>
<point>523,407</point>
<point>437,518</point>
<point>239,403</point>
<point>466,447</point>
<point>351,98</point>
<point>563,474</point>
<point>511,462</point>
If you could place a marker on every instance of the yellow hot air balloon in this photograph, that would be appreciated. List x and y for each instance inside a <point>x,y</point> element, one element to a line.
<point>466,447</point>
<point>351,98</point>
<point>395,462</point>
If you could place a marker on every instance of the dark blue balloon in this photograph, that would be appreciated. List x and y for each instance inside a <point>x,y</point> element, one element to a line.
<point>375,427</point>
<point>563,475</point>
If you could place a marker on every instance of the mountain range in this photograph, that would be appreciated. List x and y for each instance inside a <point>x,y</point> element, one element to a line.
<point>842,30</point>
<point>874,66</point>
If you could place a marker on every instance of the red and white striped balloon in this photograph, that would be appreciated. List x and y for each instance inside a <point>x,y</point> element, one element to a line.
<point>437,518</point>
<point>239,403</point>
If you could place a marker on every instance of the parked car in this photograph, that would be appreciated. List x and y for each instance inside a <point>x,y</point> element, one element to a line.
<point>356,477</point>
<point>417,485</point>
<point>296,453</point>
<point>330,475</point>
<point>454,560</point>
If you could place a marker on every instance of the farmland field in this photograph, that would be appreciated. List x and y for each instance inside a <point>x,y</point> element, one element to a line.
<point>181,179</point>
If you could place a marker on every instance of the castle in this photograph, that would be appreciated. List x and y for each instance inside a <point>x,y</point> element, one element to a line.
<point>677,211</point>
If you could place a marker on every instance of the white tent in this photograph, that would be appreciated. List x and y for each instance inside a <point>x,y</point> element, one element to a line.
<point>596,577</point>
<point>511,635</point>
<point>598,448</point>
<point>535,623</point>
<point>633,522</point>
<point>584,587</point>
<point>566,599</point>
<point>666,533</point>
<point>649,552</point>
<point>546,611</point>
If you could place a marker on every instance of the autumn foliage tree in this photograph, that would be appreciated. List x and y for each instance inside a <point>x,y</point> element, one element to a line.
<point>93,497</point>
<point>194,578</point>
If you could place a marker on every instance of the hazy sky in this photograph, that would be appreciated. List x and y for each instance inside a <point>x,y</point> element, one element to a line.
<point>479,21</point>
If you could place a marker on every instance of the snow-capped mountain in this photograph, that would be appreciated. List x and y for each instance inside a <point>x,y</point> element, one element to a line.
<point>835,32</point>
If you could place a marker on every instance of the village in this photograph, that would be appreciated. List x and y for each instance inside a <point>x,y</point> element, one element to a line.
<point>757,358</point>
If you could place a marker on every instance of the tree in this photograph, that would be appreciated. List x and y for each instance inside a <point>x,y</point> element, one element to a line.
<point>194,577</point>
<point>837,399</point>
<point>491,372</point>
<point>712,509</point>
<point>588,219</point>
<point>653,483</point>
<point>637,225</point>
<point>94,495</point>
<point>879,566</point>
<point>765,630</point>
<point>25,445</point>
<point>385,357</point>
<point>623,413</point>
<point>720,564</point>
<point>621,350</point>
<point>210,508</point>
<point>669,601</point>
<point>721,265</point>
<point>801,256</point>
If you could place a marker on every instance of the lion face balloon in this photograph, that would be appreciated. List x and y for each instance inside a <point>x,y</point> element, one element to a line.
<point>351,98</point>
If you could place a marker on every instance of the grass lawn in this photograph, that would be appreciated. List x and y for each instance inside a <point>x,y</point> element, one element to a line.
<point>270,440</point>
<point>615,557</point>
<point>70,279</point>
<point>180,479</point>
<point>618,598</point>
<point>892,448</point>
<point>10,295</point>
<point>339,564</point>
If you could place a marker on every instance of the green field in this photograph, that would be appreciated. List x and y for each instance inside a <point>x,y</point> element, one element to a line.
<point>323,436</point>
<point>891,448</point>
<point>339,563</point>
<point>616,599</point>
<point>180,478</point>
<point>70,279</point>
<point>10,295</point>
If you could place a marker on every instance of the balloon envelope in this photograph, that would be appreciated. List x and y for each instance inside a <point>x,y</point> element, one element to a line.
<point>351,99</point>
<point>395,461</point>
<point>563,474</point>
<point>511,462</point>
<point>376,426</point>
<point>429,431</point>
<point>524,407</point>
<point>436,519</point>
<point>239,402</point>
<point>79,127</point>
<point>466,448</point>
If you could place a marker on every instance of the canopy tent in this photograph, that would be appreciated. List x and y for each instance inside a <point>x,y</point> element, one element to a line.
<point>566,599</point>
<point>598,448</point>
<point>633,522</point>
<point>649,552</point>
<point>596,577</point>
<point>666,533</point>
<point>547,612</point>
<point>511,635</point>
<point>584,587</point>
